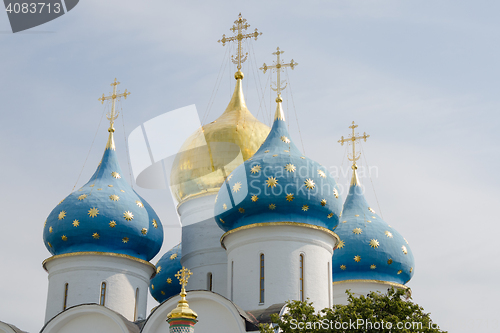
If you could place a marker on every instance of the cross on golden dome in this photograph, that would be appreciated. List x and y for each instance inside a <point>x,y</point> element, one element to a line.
<point>278,66</point>
<point>353,139</point>
<point>183,276</point>
<point>182,310</point>
<point>113,114</point>
<point>239,26</point>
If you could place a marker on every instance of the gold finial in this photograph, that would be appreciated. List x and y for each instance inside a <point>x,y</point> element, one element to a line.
<point>113,113</point>
<point>183,277</point>
<point>278,66</point>
<point>239,26</point>
<point>182,310</point>
<point>353,139</point>
<point>279,114</point>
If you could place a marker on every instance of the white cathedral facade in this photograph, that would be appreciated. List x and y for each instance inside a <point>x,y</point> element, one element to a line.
<point>263,224</point>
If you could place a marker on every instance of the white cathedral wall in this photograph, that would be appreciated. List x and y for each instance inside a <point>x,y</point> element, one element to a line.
<point>84,275</point>
<point>215,314</point>
<point>282,246</point>
<point>201,249</point>
<point>360,287</point>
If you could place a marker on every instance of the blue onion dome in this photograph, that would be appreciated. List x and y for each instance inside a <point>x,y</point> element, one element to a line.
<point>104,215</point>
<point>369,248</point>
<point>278,184</point>
<point>164,284</point>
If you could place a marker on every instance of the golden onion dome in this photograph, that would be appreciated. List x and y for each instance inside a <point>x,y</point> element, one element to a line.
<point>213,151</point>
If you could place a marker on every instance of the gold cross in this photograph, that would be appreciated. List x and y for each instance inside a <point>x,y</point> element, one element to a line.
<point>353,139</point>
<point>278,66</point>
<point>183,276</point>
<point>113,114</point>
<point>240,25</point>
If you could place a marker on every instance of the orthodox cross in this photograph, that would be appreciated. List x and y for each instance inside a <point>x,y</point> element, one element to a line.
<point>278,66</point>
<point>353,139</point>
<point>113,114</point>
<point>183,276</point>
<point>239,25</point>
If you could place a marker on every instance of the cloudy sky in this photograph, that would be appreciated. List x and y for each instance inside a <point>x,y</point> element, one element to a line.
<point>421,77</point>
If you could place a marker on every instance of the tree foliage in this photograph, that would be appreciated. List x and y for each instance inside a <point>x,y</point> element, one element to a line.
<point>382,313</point>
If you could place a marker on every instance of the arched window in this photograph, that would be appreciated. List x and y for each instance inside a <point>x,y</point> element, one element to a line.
<point>136,303</point>
<point>103,294</point>
<point>261,296</point>
<point>65,302</point>
<point>209,281</point>
<point>301,278</point>
<point>232,279</point>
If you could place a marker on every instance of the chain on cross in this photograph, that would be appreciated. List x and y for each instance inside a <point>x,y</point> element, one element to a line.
<point>239,26</point>
<point>353,139</point>
<point>278,66</point>
<point>113,114</point>
<point>183,276</point>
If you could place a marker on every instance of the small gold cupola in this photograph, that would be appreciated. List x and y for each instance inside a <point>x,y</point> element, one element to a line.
<point>182,318</point>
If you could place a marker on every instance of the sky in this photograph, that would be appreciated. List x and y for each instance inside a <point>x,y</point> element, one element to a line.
<point>420,77</point>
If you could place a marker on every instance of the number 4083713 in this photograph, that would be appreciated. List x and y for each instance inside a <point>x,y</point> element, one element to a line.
<point>33,8</point>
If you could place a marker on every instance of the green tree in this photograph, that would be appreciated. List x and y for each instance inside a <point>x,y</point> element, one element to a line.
<point>393,312</point>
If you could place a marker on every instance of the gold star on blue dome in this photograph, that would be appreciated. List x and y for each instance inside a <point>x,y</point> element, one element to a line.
<point>271,182</point>
<point>236,187</point>
<point>128,215</point>
<point>255,169</point>
<point>290,167</point>
<point>93,212</point>
<point>285,139</point>
<point>309,183</point>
